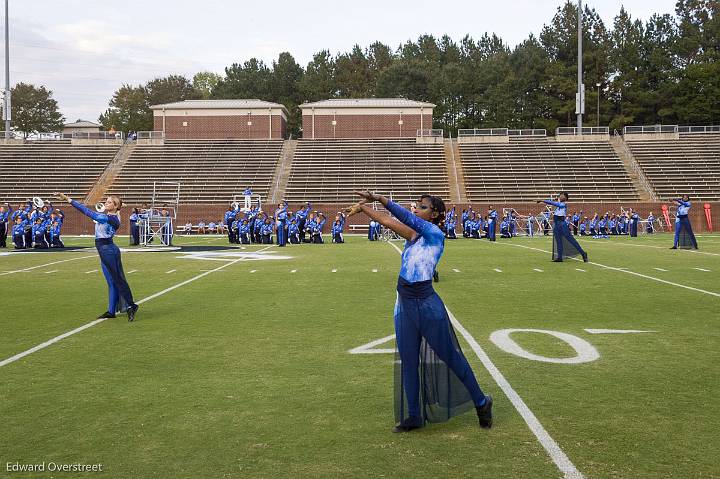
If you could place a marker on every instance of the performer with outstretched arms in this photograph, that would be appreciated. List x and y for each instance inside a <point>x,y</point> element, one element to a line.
<point>684,236</point>
<point>106,224</point>
<point>426,341</point>
<point>564,245</point>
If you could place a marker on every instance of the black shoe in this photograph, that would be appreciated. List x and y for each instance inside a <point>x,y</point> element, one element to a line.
<point>436,276</point>
<point>131,312</point>
<point>412,422</point>
<point>673,247</point>
<point>485,413</point>
<point>106,315</point>
<point>584,256</point>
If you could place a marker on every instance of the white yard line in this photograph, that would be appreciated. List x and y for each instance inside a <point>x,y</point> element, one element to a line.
<point>561,460</point>
<point>652,278</point>
<point>663,247</point>
<point>91,271</point>
<point>46,264</point>
<point>54,340</point>
<point>171,271</point>
<point>702,269</point>
<point>660,269</point>
<point>581,270</point>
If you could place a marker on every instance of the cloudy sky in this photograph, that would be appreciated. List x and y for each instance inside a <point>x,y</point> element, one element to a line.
<point>84,51</point>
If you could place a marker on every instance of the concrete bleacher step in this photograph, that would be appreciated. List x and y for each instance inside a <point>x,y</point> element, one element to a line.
<point>111,172</point>
<point>282,172</point>
<point>633,169</point>
<point>456,177</point>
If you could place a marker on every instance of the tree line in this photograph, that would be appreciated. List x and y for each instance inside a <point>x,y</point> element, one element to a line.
<point>664,70</point>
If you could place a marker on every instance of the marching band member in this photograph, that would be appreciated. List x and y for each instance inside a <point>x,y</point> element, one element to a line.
<point>244,232</point>
<point>564,245</point>
<point>491,223</point>
<point>280,222</point>
<point>294,232</point>
<point>106,224</point>
<point>302,217</point>
<point>633,226</point>
<point>337,228</point>
<point>228,220</point>
<point>684,236</point>
<point>38,233</point>
<point>18,232</point>
<point>650,228</point>
<point>5,211</point>
<point>422,326</point>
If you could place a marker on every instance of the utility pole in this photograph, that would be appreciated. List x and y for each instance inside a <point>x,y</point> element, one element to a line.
<point>580,97</point>
<point>6,97</point>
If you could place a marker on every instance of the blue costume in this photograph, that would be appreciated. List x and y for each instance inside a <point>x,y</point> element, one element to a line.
<point>564,245</point>
<point>426,341</point>
<point>18,235</point>
<point>120,297</point>
<point>4,217</point>
<point>281,217</point>
<point>293,232</point>
<point>301,219</point>
<point>337,230</point>
<point>491,226</point>
<point>650,224</point>
<point>684,236</point>
<point>228,219</point>
<point>633,229</point>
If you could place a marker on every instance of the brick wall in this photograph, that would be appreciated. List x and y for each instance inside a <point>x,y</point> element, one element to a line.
<point>76,223</point>
<point>217,127</point>
<point>364,126</point>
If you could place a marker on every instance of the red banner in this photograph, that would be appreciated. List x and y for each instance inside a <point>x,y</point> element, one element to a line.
<point>666,215</point>
<point>708,218</point>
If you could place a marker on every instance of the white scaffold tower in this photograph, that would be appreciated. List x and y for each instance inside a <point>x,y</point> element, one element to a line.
<point>157,223</point>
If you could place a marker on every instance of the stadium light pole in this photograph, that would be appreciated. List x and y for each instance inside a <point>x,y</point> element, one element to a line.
<point>6,96</point>
<point>579,100</point>
<point>598,106</point>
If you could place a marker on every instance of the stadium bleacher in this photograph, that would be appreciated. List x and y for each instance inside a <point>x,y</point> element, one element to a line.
<point>688,165</point>
<point>526,169</point>
<point>41,168</point>
<point>329,170</point>
<point>209,171</point>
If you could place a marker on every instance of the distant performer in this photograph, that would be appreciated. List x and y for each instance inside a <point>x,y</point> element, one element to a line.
<point>433,380</point>
<point>120,298</point>
<point>248,198</point>
<point>684,237</point>
<point>564,245</point>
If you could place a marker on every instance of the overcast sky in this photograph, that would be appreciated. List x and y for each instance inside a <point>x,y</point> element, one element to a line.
<point>83,51</point>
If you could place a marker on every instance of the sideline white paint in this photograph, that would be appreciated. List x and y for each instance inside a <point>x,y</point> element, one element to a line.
<point>660,269</point>
<point>702,269</point>
<point>665,248</point>
<point>612,268</point>
<point>558,456</point>
<point>54,340</point>
<point>47,264</point>
<point>586,352</point>
<point>617,331</point>
<point>369,347</point>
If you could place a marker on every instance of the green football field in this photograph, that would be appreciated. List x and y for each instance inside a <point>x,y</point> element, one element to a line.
<point>239,363</point>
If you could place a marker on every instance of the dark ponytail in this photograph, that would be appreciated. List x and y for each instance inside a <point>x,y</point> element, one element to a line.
<point>438,205</point>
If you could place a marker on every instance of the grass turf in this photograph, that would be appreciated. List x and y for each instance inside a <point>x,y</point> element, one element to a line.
<point>241,374</point>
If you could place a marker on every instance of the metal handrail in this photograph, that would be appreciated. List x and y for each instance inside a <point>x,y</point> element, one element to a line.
<point>482,132</point>
<point>587,130</point>
<point>699,129</point>
<point>528,132</point>
<point>638,171</point>
<point>635,130</point>
<point>95,135</point>
<point>150,135</point>
<point>433,133</point>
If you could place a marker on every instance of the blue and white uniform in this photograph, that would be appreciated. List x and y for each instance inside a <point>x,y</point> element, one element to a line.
<point>684,236</point>
<point>119,294</point>
<point>425,338</point>
<point>492,224</point>
<point>281,223</point>
<point>564,244</point>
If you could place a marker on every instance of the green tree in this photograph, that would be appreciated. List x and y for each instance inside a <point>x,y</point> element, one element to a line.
<point>252,79</point>
<point>128,110</point>
<point>318,82</point>
<point>34,110</point>
<point>285,88</point>
<point>204,84</point>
